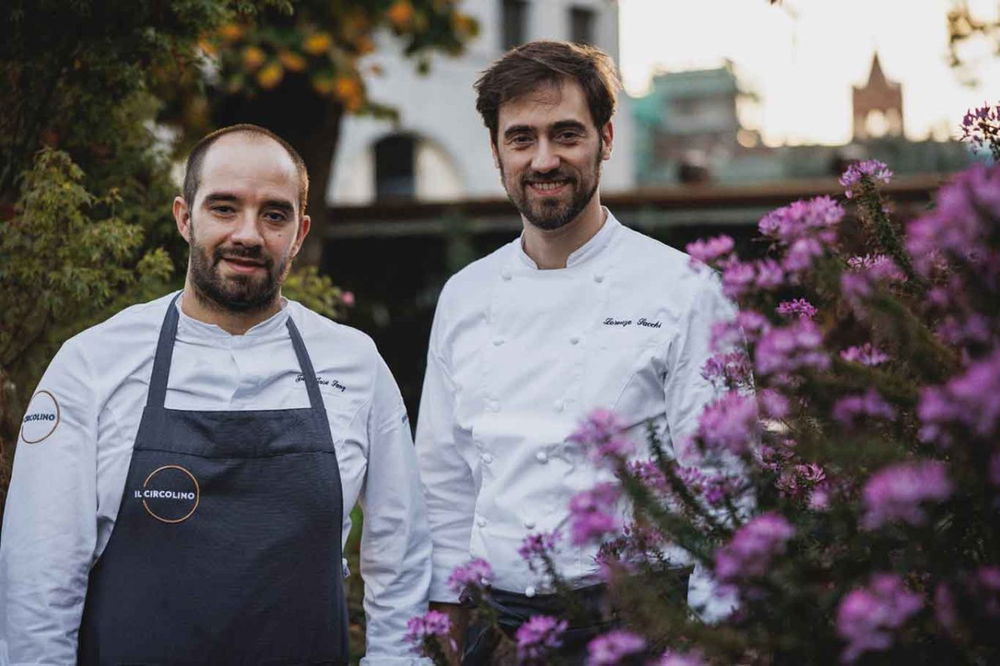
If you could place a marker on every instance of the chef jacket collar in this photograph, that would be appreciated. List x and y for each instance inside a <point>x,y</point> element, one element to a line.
<point>588,250</point>
<point>194,330</point>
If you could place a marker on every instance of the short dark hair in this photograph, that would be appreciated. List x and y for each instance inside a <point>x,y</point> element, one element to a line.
<point>526,67</point>
<point>192,171</point>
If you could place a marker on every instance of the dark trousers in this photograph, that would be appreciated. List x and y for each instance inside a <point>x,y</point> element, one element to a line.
<point>592,618</point>
<point>590,615</point>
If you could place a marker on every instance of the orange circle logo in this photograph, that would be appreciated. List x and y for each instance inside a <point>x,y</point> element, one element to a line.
<point>41,419</point>
<point>170,494</point>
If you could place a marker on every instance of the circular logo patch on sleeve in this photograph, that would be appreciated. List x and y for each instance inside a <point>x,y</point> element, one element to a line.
<point>41,419</point>
<point>170,494</point>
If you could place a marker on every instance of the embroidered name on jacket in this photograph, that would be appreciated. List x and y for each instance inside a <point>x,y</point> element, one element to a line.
<point>625,323</point>
<point>332,383</point>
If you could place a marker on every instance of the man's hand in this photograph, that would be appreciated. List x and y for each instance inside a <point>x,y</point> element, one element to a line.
<point>459,617</point>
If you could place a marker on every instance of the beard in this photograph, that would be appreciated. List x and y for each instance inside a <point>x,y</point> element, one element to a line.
<point>550,213</point>
<point>245,294</point>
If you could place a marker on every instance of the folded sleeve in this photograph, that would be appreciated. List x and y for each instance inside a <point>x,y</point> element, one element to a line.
<point>395,542</point>
<point>50,525</point>
<point>447,479</point>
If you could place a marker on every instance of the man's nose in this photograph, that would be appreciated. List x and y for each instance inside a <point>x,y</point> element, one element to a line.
<point>545,158</point>
<point>247,230</point>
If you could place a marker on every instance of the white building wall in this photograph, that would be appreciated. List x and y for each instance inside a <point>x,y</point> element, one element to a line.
<point>455,161</point>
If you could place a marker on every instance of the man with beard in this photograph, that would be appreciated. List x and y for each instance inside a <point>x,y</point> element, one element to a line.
<point>578,313</point>
<point>186,470</point>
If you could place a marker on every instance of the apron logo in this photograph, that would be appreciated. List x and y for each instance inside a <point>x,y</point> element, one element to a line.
<point>41,419</point>
<point>170,494</point>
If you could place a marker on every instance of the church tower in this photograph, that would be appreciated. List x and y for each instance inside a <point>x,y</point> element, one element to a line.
<point>878,106</point>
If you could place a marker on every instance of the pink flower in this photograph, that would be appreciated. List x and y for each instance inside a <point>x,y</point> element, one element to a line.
<point>671,658</point>
<point>474,575</point>
<point>750,551</point>
<point>865,354</point>
<point>592,514</point>
<point>347,298</point>
<point>867,617</point>
<point>427,627</point>
<point>798,307</point>
<point>610,648</point>
<point>895,493</point>
<point>733,369</point>
<point>537,638</point>
<point>852,409</point>
<point>711,249</point>
<point>537,545</point>
<point>773,405</point>
<point>969,402</point>
<point>794,347</point>
<point>858,172</point>
<point>726,334</point>
<point>816,217</point>
<point>729,423</point>
<point>604,432</point>
<point>960,225</point>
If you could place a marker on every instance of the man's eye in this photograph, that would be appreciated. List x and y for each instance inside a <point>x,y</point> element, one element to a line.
<point>569,136</point>
<point>275,216</point>
<point>222,210</point>
<point>521,140</point>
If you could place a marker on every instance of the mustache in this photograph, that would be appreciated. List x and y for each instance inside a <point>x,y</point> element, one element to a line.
<point>254,253</point>
<point>547,177</point>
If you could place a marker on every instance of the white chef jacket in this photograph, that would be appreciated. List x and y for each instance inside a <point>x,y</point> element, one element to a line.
<point>519,356</point>
<point>69,472</point>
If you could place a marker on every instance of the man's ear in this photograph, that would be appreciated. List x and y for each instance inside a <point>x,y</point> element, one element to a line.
<point>182,216</point>
<point>496,156</point>
<point>304,225</point>
<point>607,140</point>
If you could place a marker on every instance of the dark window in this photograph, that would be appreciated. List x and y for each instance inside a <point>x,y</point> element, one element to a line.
<point>395,175</point>
<point>514,15</point>
<point>581,25</point>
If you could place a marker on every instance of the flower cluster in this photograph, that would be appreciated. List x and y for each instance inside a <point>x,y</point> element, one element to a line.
<point>671,658</point>
<point>611,648</point>
<point>867,617</point>
<point>970,403</point>
<point>729,423</point>
<point>896,492</point>
<point>753,546</point>
<point>798,307</point>
<point>784,350</point>
<point>710,250</point>
<point>857,173</point>
<point>866,354</point>
<point>981,127</point>
<point>537,546</point>
<point>851,409</point>
<point>537,638</point>
<point>593,513</point>
<point>731,370</point>
<point>605,434</point>
<point>475,575</point>
<point>423,631</point>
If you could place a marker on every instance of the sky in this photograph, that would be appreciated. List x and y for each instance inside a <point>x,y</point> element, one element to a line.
<point>802,57</point>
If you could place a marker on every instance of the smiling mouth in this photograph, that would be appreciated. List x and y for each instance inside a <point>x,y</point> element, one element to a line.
<point>548,186</point>
<point>243,265</point>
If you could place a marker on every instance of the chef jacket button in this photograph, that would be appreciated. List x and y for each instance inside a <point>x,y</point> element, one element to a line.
<point>542,457</point>
<point>598,278</point>
<point>529,591</point>
<point>559,405</point>
<point>487,458</point>
<point>529,524</point>
<point>493,406</point>
<point>497,341</point>
<point>505,274</point>
<point>574,340</point>
<point>481,521</point>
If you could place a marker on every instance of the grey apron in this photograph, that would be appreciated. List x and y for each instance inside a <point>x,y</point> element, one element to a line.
<point>227,545</point>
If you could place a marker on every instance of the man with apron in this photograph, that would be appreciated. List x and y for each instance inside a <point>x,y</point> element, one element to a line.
<point>186,469</point>
<point>580,312</point>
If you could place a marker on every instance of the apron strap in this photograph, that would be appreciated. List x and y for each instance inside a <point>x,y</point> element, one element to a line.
<point>305,363</point>
<point>164,353</point>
